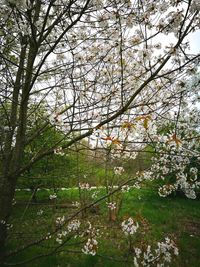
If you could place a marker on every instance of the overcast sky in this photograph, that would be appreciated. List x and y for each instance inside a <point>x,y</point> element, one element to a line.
<point>194,39</point>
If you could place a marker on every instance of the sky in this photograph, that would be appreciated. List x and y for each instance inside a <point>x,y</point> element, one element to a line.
<point>194,39</point>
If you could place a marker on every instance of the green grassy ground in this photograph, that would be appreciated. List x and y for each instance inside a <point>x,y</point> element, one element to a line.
<point>177,218</point>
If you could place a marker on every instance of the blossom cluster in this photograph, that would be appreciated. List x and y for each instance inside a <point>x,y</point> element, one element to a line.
<point>91,245</point>
<point>53,196</point>
<point>125,188</point>
<point>129,226</point>
<point>176,161</point>
<point>174,164</point>
<point>159,257</point>
<point>60,220</point>
<point>166,190</point>
<point>59,151</point>
<point>72,226</point>
<point>112,205</point>
<point>118,170</point>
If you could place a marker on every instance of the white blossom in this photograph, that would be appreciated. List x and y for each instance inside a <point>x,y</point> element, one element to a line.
<point>59,240</point>
<point>90,247</point>
<point>73,225</point>
<point>60,220</point>
<point>53,196</point>
<point>59,151</point>
<point>125,188</point>
<point>129,226</point>
<point>161,255</point>
<point>119,170</point>
<point>112,205</point>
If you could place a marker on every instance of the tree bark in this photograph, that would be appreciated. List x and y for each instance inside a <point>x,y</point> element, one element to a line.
<point>14,156</point>
<point>7,191</point>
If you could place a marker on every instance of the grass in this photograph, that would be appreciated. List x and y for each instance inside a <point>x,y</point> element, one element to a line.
<point>177,218</point>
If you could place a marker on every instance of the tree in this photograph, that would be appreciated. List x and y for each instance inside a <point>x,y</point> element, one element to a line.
<point>101,69</point>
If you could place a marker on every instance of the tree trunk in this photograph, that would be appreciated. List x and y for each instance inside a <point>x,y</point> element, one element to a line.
<point>7,191</point>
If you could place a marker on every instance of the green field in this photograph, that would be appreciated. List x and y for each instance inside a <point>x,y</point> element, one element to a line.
<point>175,217</point>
